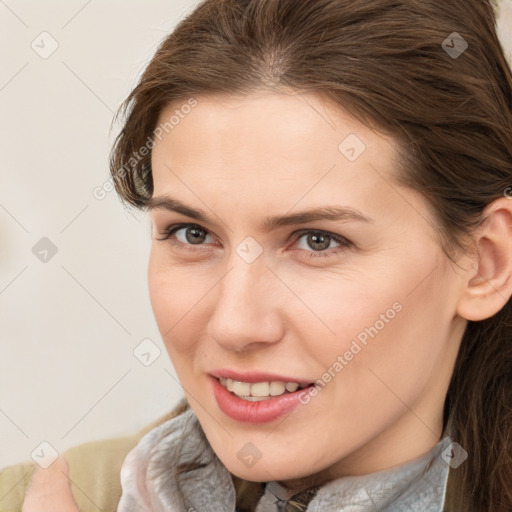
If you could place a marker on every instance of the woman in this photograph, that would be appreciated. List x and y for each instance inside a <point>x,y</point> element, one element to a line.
<point>329,186</point>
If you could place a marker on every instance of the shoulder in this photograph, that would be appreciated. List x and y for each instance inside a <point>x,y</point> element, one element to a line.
<point>14,481</point>
<point>95,467</point>
<point>85,477</point>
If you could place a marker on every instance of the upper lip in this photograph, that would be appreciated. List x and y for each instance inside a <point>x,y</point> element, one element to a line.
<point>255,376</point>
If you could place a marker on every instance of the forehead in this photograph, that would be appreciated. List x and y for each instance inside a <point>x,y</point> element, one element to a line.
<point>245,158</point>
<point>266,132</point>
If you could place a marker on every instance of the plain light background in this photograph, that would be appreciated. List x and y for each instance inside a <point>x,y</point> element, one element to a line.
<point>71,320</point>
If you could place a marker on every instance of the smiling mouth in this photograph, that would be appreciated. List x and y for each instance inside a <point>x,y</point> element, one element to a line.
<point>257,391</point>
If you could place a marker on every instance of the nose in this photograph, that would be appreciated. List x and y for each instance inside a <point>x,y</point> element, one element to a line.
<point>248,308</point>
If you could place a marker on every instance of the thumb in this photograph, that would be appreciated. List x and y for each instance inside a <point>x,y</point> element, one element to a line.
<point>50,490</point>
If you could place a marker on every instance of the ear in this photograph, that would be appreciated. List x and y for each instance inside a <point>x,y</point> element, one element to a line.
<point>488,284</point>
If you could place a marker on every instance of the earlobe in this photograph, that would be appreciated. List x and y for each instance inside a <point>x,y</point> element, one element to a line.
<point>488,285</point>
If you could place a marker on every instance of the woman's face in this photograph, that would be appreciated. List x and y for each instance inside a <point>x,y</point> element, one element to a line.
<point>361,301</point>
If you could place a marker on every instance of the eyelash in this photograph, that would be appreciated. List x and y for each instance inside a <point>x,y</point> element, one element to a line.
<point>297,235</point>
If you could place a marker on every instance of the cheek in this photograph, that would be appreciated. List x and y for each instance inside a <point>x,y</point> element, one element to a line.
<point>387,330</point>
<point>399,357</point>
<point>176,297</point>
<point>343,308</point>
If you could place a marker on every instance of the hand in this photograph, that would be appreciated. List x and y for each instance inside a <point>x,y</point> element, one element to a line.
<point>50,490</point>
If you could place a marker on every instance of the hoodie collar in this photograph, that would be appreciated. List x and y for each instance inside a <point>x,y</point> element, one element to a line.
<point>151,480</point>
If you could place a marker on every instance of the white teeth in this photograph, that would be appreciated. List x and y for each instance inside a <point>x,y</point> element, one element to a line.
<point>259,390</point>
<point>241,388</point>
<point>277,388</point>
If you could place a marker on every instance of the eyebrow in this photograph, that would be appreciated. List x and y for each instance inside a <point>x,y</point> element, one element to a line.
<point>270,223</point>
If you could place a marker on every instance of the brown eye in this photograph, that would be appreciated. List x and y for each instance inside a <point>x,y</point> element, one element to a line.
<point>195,235</point>
<point>315,244</point>
<point>185,234</point>
<point>318,242</point>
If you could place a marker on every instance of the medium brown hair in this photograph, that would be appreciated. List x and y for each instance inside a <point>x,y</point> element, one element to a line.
<point>451,117</point>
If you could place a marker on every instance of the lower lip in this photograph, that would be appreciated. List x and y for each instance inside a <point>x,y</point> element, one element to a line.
<point>262,411</point>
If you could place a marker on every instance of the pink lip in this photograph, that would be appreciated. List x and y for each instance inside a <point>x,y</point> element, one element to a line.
<point>254,412</point>
<point>255,376</point>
